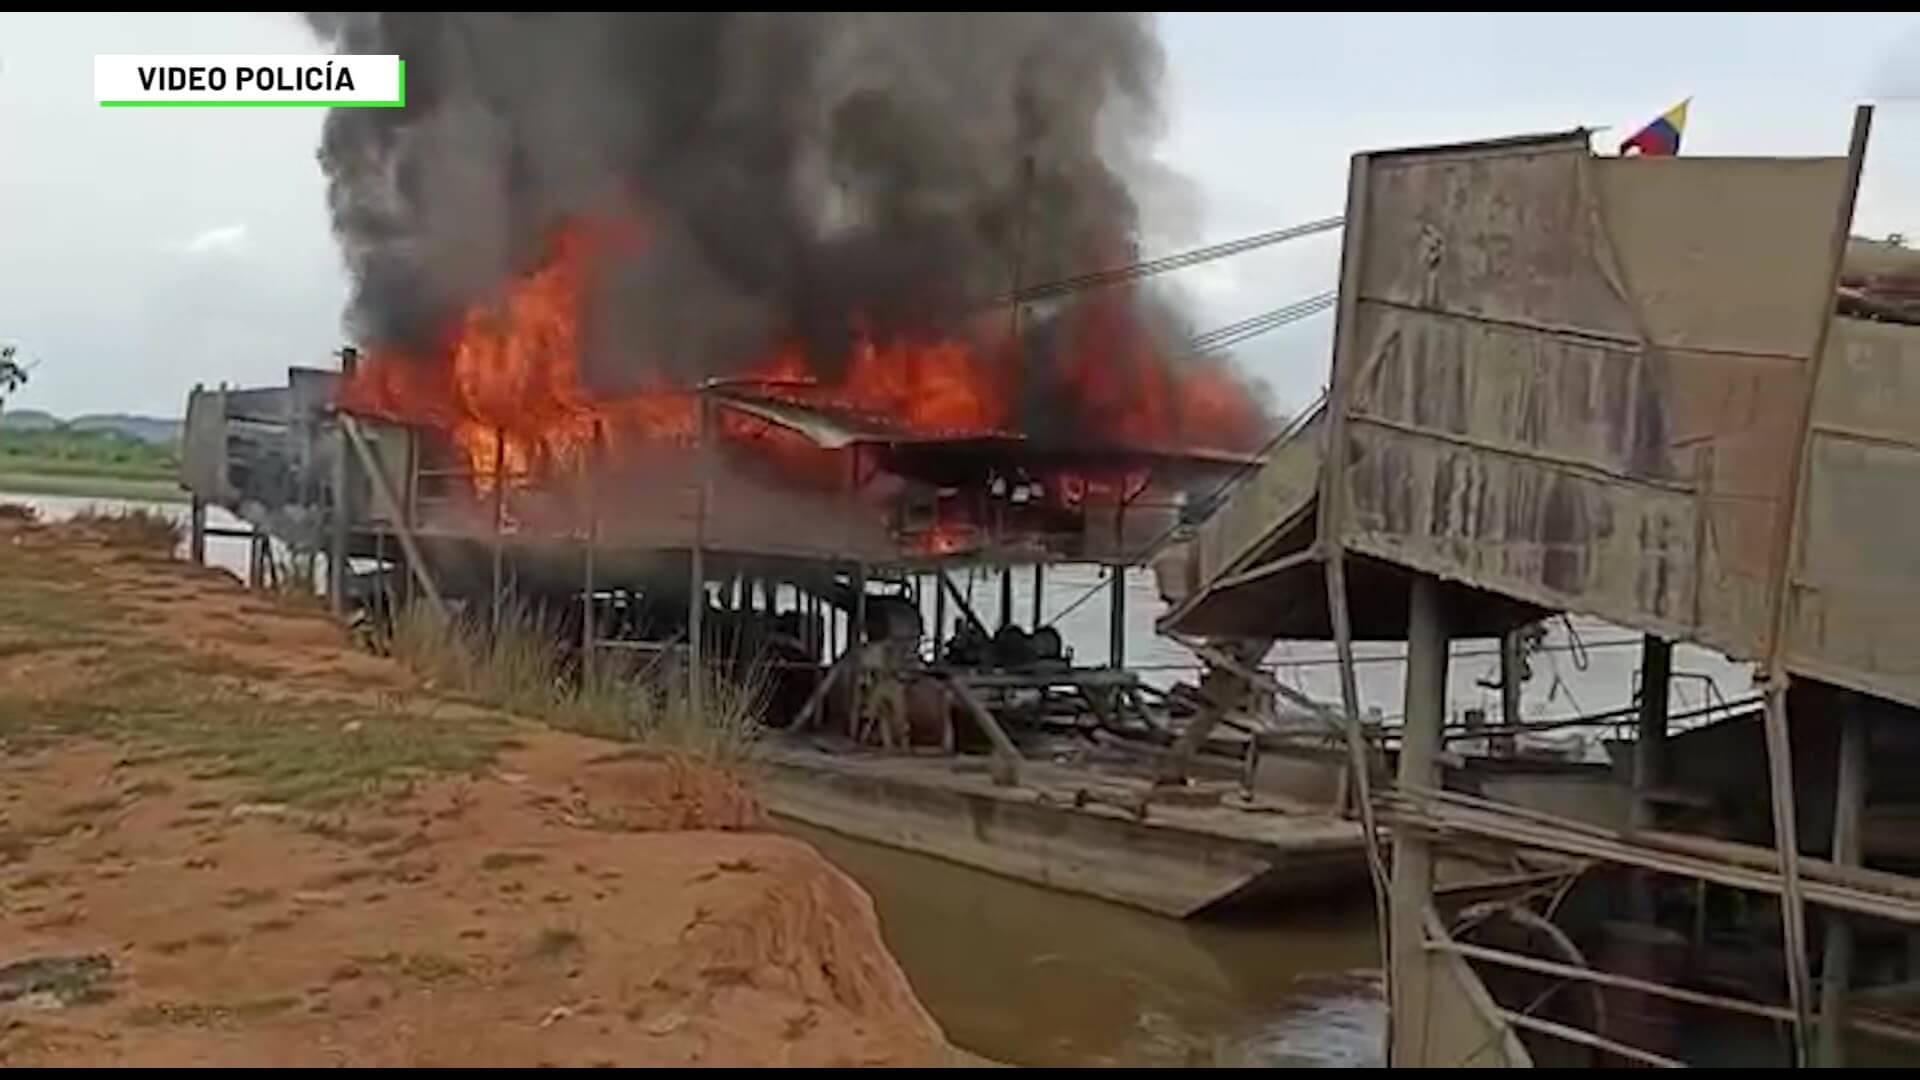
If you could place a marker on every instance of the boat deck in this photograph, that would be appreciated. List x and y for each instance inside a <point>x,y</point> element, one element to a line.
<point>1072,825</point>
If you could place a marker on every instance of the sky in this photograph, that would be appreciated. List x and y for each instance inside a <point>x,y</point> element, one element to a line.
<point>145,250</point>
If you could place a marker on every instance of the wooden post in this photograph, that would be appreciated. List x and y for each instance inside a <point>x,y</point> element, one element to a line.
<point>1412,890</point>
<point>1006,597</point>
<point>1117,618</point>
<point>697,560</point>
<point>1511,679</point>
<point>811,632</point>
<point>1849,802</point>
<point>257,559</point>
<point>1039,588</point>
<point>857,643</point>
<point>197,531</point>
<point>960,601</point>
<point>499,518</point>
<point>1006,756</point>
<point>1786,834</point>
<point>1650,742</point>
<point>406,511</point>
<point>383,491</point>
<point>939,614</point>
<point>589,634</point>
<point>337,540</point>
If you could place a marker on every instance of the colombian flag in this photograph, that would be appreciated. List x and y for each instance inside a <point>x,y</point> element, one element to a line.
<point>1660,138</point>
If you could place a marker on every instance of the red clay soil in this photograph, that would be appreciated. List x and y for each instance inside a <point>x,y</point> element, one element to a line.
<point>566,901</point>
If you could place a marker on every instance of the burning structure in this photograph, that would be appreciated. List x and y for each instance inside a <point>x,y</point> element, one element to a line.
<point>726,333</point>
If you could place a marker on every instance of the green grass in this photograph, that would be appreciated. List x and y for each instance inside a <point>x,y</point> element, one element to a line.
<point>15,480</point>
<point>65,452</point>
<point>306,752</point>
<point>521,668</point>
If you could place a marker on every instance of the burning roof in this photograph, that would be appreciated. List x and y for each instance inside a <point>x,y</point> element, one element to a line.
<point>579,219</point>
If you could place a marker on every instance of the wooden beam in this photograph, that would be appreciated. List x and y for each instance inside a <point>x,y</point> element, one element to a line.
<point>499,522</point>
<point>1587,1038</point>
<point>697,556</point>
<point>814,700</point>
<point>950,589</point>
<point>1720,862</point>
<point>197,531</point>
<point>1006,756</point>
<point>1608,978</point>
<point>1849,802</point>
<point>1264,571</point>
<point>1412,877</point>
<point>402,526</point>
<point>1786,537</point>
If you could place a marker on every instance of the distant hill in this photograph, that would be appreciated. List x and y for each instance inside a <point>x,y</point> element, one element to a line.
<point>28,420</point>
<point>150,429</point>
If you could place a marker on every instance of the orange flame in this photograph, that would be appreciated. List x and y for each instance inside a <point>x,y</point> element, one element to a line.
<point>506,382</point>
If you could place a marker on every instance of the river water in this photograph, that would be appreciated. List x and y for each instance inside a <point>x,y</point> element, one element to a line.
<point>1030,976</point>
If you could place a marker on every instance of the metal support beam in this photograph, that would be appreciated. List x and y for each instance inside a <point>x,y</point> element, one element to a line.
<point>697,559</point>
<point>337,534</point>
<point>197,531</point>
<point>499,522</point>
<point>1786,837</point>
<point>1006,597</point>
<point>1006,756</point>
<point>940,587</point>
<point>949,588</point>
<point>1039,590</point>
<point>1650,742</point>
<point>1849,802</point>
<point>589,633</point>
<point>1512,677</point>
<point>857,643</point>
<point>390,504</point>
<point>1117,618</point>
<point>258,553</point>
<point>1412,882</point>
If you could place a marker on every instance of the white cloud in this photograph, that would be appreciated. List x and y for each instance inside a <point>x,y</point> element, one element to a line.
<point>220,240</point>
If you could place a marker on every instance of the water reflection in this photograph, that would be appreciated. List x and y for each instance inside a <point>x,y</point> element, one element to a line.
<point>1030,976</point>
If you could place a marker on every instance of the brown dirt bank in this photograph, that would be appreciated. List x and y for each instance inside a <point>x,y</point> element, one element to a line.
<point>228,838</point>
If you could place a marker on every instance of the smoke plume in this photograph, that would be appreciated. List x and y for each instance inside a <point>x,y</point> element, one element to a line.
<point>791,173</point>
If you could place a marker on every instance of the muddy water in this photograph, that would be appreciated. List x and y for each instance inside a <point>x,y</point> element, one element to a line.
<point>1029,976</point>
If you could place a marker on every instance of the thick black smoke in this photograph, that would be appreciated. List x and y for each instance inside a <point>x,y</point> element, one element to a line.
<point>791,169</point>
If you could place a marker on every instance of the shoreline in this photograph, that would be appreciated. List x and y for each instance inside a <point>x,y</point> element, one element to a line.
<point>92,486</point>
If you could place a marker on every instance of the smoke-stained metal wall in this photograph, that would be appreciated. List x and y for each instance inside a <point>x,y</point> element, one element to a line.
<point>1854,596</point>
<point>1575,381</point>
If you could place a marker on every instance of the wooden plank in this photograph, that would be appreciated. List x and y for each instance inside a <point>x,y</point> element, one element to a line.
<point>1608,978</point>
<point>1779,748</point>
<point>1836,973</point>
<point>403,527</point>
<point>1006,756</point>
<point>1412,878</point>
<point>1588,1038</point>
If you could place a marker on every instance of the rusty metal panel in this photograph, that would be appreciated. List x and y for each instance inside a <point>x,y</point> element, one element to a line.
<point>1854,601</point>
<point>203,446</point>
<point>1724,254</point>
<point>1514,389</point>
<point>1576,381</point>
<point>1565,538</point>
<point>1500,233</point>
<point>1269,500</point>
<point>1870,385</point>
